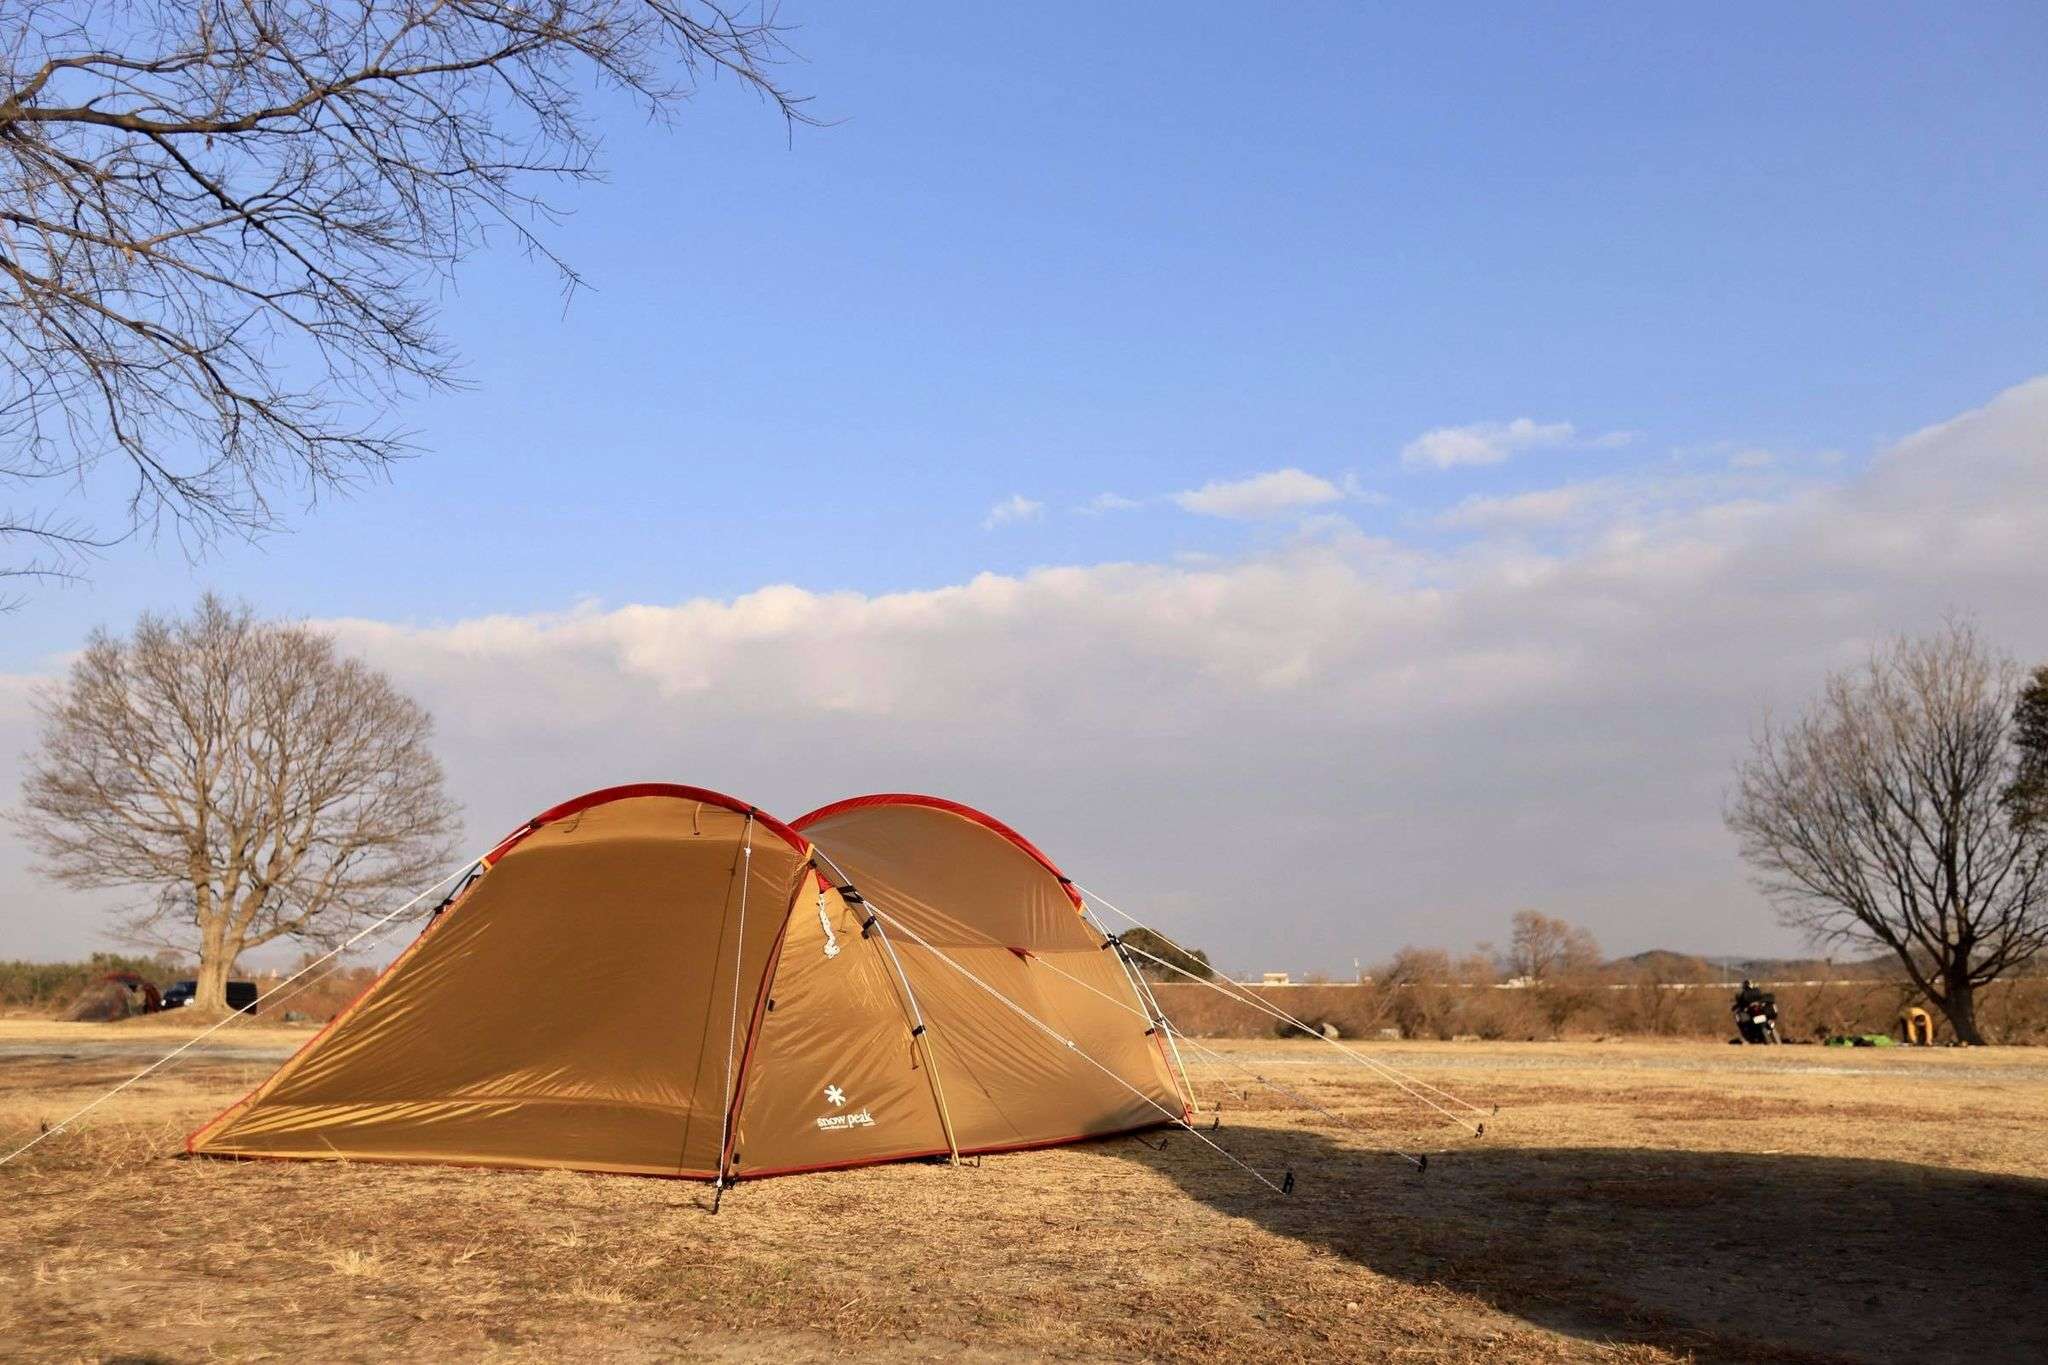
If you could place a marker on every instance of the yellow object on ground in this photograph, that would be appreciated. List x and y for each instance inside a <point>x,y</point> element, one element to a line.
<point>1916,1026</point>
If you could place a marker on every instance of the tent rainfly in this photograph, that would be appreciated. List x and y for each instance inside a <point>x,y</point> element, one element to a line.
<point>661,980</point>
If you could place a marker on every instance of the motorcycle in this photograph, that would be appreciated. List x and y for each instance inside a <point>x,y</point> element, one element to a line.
<point>1757,1020</point>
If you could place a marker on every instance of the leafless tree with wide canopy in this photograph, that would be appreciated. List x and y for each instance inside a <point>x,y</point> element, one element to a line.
<point>1557,961</point>
<point>1885,817</point>
<point>222,224</point>
<point>249,781</point>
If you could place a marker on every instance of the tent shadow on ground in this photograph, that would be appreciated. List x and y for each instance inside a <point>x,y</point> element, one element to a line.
<point>1726,1254</point>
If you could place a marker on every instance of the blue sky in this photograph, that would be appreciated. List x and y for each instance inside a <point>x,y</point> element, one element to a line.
<point>1709,257</point>
<point>1063,252</point>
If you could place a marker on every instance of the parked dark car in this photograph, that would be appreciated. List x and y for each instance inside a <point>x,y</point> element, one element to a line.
<point>241,995</point>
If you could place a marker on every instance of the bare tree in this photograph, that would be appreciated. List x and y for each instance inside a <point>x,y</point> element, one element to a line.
<point>251,781</point>
<point>1557,959</point>
<point>1542,949</point>
<point>1881,818</point>
<point>222,223</point>
<point>1422,991</point>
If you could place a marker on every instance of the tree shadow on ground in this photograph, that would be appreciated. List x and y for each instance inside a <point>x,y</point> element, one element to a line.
<point>1729,1255</point>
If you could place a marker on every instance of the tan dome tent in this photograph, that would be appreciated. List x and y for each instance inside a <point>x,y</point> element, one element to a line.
<point>662,980</point>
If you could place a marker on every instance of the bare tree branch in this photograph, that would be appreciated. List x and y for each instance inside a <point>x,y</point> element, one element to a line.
<point>222,222</point>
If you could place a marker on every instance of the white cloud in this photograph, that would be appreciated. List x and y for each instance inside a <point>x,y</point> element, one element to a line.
<point>1107,502</point>
<point>1448,735</point>
<point>1483,442</point>
<point>1541,507</point>
<point>1325,526</point>
<point>1016,507</point>
<point>1263,495</point>
<point>1626,505</point>
<point>1358,492</point>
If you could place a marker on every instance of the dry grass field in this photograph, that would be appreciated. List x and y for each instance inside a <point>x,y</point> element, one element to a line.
<point>1631,1202</point>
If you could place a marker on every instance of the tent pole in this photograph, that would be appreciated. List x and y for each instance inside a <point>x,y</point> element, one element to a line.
<point>908,999</point>
<point>931,1060</point>
<point>1161,1022</point>
<point>743,864</point>
<point>1154,1013</point>
<point>911,1010</point>
<point>918,1031</point>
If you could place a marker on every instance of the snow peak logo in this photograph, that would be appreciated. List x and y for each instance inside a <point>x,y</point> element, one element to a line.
<point>836,1097</point>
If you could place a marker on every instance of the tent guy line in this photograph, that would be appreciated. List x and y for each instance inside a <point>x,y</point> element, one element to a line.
<point>1399,1079</point>
<point>1287,1181</point>
<point>1420,1163</point>
<point>1391,1072</point>
<point>459,870</point>
<point>1096,898</point>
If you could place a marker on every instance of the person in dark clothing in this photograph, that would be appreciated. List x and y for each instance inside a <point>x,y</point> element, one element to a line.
<point>1748,1002</point>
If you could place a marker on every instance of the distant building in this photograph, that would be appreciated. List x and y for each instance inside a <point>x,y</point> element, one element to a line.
<point>1275,979</point>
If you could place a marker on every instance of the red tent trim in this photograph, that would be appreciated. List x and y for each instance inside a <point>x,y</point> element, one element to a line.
<point>632,789</point>
<point>954,807</point>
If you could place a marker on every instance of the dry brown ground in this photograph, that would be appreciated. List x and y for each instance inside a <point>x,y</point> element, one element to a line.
<point>1632,1201</point>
